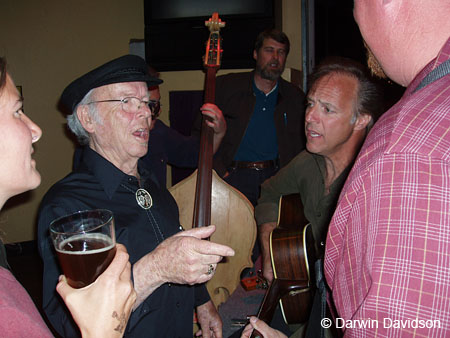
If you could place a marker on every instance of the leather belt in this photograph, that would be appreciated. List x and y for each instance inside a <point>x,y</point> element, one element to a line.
<point>258,165</point>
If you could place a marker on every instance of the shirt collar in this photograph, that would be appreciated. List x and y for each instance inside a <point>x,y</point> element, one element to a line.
<point>257,91</point>
<point>106,173</point>
<point>320,160</point>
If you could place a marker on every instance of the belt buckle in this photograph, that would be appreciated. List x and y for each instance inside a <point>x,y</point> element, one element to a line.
<point>256,167</point>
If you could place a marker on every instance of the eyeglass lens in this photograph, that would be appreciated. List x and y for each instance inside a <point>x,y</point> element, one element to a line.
<point>133,104</point>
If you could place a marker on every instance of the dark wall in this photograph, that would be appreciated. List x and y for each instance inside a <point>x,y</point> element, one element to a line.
<point>337,34</point>
<point>180,44</point>
<point>336,31</point>
<point>175,32</point>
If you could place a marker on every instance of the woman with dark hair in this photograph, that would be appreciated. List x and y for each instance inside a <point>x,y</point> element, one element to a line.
<point>101,309</point>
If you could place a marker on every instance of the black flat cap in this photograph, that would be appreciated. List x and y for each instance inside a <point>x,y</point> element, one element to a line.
<point>127,68</point>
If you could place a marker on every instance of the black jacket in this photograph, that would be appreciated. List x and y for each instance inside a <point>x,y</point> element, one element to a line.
<point>234,96</point>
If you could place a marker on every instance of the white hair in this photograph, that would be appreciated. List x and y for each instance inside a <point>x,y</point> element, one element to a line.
<point>74,123</point>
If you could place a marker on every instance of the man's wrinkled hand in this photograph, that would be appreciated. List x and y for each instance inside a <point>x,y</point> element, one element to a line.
<point>186,258</point>
<point>209,321</point>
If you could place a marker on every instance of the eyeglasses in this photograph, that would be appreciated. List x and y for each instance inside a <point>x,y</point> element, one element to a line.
<point>133,104</point>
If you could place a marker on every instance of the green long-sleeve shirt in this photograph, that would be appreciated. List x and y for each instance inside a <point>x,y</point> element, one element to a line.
<point>305,175</point>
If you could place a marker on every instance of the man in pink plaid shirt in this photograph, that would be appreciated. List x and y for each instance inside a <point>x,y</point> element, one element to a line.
<point>387,256</point>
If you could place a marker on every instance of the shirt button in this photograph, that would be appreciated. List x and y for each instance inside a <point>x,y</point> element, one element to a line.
<point>181,228</point>
<point>264,109</point>
<point>178,304</point>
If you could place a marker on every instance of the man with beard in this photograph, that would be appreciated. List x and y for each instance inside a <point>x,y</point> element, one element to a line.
<point>388,244</point>
<point>264,116</point>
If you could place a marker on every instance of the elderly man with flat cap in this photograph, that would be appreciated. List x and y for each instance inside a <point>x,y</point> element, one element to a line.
<point>111,112</point>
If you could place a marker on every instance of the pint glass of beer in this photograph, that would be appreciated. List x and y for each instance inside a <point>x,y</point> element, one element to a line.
<point>85,244</point>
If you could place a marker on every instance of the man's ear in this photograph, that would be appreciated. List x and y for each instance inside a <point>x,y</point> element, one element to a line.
<point>255,54</point>
<point>85,118</point>
<point>362,121</point>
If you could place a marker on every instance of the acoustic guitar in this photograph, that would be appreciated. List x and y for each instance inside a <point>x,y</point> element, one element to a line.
<point>292,253</point>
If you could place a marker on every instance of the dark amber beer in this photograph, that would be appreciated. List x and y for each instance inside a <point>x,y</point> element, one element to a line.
<point>85,244</point>
<point>84,257</point>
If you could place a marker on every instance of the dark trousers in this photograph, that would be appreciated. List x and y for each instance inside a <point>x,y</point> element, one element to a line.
<point>248,181</point>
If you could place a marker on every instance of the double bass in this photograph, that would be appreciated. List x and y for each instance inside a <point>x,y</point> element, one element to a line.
<point>204,198</point>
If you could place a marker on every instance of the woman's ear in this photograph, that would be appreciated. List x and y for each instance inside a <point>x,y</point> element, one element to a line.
<point>362,121</point>
<point>85,118</point>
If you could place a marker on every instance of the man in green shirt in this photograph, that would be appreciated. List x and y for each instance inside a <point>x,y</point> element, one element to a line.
<point>341,107</point>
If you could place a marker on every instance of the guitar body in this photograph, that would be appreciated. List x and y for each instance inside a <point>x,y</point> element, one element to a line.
<point>292,253</point>
<point>293,256</point>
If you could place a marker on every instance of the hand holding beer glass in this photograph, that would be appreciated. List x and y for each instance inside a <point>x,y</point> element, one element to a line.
<point>85,243</point>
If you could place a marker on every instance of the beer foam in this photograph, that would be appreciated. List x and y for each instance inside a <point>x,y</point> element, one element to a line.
<point>100,237</point>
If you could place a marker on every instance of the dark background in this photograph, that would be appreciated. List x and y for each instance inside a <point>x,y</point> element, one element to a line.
<point>175,32</point>
<point>337,34</point>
